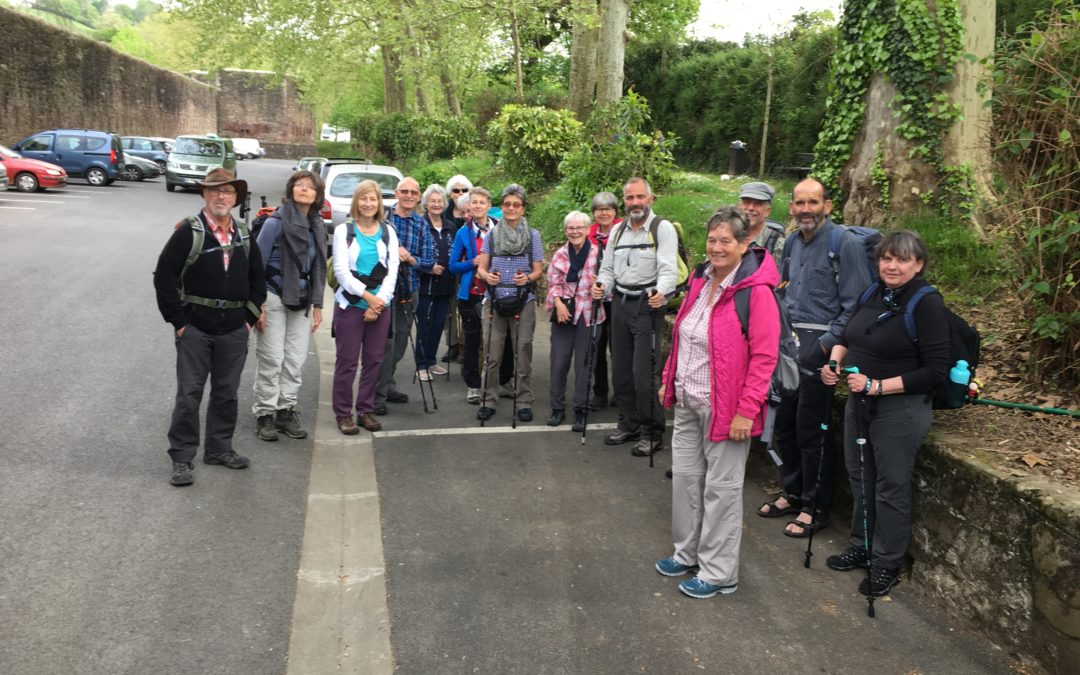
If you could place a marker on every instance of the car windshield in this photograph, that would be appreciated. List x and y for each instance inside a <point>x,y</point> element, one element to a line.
<point>8,152</point>
<point>344,185</point>
<point>195,146</point>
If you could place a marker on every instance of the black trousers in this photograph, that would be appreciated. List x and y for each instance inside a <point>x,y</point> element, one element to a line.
<point>472,328</point>
<point>803,445</point>
<point>600,367</point>
<point>635,368</point>
<point>221,358</point>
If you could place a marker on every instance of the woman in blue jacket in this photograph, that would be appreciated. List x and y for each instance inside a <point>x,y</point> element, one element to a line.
<point>464,257</point>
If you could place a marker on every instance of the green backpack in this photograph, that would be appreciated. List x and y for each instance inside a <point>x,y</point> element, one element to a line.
<point>682,261</point>
<point>198,235</point>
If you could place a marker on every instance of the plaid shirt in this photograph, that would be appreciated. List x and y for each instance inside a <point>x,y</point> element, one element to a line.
<point>509,265</point>
<point>413,234</point>
<point>693,374</point>
<point>224,236</point>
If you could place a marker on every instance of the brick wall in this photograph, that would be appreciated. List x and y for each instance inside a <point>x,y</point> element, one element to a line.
<point>256,104</point>
<point>50,77</point>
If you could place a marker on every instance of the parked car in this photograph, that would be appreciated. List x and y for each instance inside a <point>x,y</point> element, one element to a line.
<point>154,148</point>
<point>3,177</point>
<point>247,147</point>
<point>312,164</point>
<point>30,175</point>
<point>343,174</point>
<point>95,155</point>
<point>193,157</point>
<point>137,168</point>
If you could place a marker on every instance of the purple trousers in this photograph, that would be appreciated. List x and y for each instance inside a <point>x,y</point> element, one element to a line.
<point>357,341</point>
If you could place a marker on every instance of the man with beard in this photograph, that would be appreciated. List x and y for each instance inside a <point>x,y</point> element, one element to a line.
<point>210,286</point>
<point>819,301</point>
<point>643,272</point>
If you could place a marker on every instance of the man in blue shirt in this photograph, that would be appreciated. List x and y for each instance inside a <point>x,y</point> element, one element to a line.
<point>820,298</point>
<point>416,252</point>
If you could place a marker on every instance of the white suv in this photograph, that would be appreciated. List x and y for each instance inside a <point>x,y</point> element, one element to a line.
<point>342,175</point>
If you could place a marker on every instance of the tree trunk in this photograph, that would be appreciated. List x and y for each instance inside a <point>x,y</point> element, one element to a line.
<point>453,103</point>
<point>416,70</point>
<point>393,81</point>
<point>611,50</point>
<point>582,89</point>
<point>768,110</point>
<point>518,77</point>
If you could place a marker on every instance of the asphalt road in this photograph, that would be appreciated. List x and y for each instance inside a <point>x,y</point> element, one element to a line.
<point>498,551</point>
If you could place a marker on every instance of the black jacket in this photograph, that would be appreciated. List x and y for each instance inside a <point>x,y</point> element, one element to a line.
<point>208,278</point>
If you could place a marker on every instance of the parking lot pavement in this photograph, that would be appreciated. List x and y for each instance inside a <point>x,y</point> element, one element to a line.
<point>458,549</point>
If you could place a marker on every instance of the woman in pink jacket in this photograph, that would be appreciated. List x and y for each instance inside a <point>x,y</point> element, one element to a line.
<point>717,379</point>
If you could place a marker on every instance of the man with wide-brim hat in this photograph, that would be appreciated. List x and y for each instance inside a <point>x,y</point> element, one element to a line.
<point>210,286</point>
<point>221,176</point>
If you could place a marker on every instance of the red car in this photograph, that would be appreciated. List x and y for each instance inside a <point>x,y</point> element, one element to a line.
<point>30,175</point>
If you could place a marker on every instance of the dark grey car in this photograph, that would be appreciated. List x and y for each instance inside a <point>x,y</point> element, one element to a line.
<point>154,148</point>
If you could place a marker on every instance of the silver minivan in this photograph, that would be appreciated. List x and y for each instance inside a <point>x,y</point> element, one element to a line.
<point>193,157</point>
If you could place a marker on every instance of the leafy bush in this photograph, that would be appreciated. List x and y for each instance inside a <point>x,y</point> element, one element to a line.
<point>336,149</point>
<point>395,136</point>
<point>1036,111</point>
<point>445,137</point>
<point>530,142</point>
<point>403,136</point>
<point>616,147</point>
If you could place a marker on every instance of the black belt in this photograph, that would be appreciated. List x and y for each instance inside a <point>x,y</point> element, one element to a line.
<point>628,296</point>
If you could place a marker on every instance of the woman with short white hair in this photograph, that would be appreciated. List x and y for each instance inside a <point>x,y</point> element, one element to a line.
<point>436,286</point>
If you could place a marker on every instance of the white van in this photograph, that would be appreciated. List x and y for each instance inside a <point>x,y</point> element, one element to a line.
<point>248,148</point>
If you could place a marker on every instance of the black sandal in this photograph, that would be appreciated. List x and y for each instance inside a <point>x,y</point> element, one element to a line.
<point>774,511</point>
<point>813,526</point>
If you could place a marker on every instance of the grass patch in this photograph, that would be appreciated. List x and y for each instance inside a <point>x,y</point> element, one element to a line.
<point>479,168</point>
<point>961,262</point>
<point>336,149</point>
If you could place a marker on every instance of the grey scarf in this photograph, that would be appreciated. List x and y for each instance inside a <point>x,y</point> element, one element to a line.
<point>297,232</point>
<point>506,240</point>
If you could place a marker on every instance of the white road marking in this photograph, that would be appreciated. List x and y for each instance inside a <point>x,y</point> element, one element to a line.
<point>469,431</point>
<point>18,195</point>
<point>19,208</point>
<point>38,201</point>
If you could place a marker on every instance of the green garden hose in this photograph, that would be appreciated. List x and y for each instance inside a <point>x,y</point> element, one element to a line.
<point>1025,406</point>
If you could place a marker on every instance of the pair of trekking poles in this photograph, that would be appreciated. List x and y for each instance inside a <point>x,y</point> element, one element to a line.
<point>860,440</point>
<point>522,295</point>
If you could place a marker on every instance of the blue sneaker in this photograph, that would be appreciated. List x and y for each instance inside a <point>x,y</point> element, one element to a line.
<point>698,588</point>
<point>670,567</point>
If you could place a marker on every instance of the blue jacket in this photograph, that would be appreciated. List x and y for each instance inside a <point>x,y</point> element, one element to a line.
<point>461,257</point>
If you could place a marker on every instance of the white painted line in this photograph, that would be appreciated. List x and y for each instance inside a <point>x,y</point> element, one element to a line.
<point>38,201</point>
<point>19,208</point>
<point>344,497</point>
<point>46,195</point>
<point>470,431</point>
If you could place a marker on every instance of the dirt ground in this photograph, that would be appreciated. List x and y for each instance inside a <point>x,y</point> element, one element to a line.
<point>1020,443</point>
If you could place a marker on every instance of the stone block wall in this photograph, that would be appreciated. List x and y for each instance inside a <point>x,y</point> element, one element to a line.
<point>50,77</point>
<point>254,104</point>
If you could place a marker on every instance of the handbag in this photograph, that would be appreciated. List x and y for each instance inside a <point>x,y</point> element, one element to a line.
<point>570,307</point>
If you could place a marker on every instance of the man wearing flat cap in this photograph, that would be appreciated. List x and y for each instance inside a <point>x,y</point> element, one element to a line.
<point>755,199</point>
<point>210,287</point>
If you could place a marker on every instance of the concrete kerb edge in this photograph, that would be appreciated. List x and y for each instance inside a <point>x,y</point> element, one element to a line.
<point>341,622</point>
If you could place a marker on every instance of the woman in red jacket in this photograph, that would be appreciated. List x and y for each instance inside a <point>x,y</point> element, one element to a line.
<point>717,378</point>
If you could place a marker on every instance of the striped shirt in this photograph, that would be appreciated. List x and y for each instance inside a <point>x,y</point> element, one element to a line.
<point>693,374</point>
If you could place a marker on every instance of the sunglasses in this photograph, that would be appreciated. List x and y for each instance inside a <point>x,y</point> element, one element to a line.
<point>458,191</point>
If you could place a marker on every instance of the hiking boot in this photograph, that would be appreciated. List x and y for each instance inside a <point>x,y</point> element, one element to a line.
<point>645,447</point>
<point>347,425</point>
<point>485,413</point>
<point>473,396</point>
<point>181,474</point>
<point>397,397</point>
<point>579,423</point>
<point>852,558</point>
<point>288,422</point>
<point>881,580</point>
<point>620,436</point>
<point>525,415</point>
<point>699,588</point>
<point>670,567</point>
<point>380,409</point>
<point>557,417</point>
<point>264,428</point>
<point>229,459</point>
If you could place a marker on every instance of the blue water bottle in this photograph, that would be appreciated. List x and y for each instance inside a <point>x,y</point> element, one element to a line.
<point>960,374</point>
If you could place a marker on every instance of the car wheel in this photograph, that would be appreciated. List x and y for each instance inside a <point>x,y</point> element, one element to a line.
<point>132,172</point>
<point>170,186</point>
<point>26,182</point>
<point>97,177</point>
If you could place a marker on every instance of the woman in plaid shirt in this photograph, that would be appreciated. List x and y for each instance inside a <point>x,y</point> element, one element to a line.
<point>571,274</point>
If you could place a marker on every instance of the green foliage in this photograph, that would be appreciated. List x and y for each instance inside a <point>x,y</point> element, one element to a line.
<point>1036,111</point>
<point>917,51</point>
<point>710,93</point>
<point>478,167</point>
<point>399,136</point>
<point>530,142</point>
<point>336,149</point>
<point>961,260</point>
<point>617,145</point>
<point>394,136</point>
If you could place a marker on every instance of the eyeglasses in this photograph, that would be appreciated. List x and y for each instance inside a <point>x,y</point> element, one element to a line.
<point>512,205</point>
<point>221,190</point>
<point>408,192</point>
<point>575,228</point>
<point>458,191</point>
<point>604,208</point>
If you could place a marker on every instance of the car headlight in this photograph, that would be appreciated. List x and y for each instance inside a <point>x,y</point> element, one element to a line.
<point>172,165</point>
<point>54,172</point>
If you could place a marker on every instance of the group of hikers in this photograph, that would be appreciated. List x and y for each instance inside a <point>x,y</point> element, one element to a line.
<point>401,275</point>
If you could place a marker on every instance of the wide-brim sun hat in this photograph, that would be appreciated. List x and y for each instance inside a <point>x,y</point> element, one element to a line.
<point>221,176</point>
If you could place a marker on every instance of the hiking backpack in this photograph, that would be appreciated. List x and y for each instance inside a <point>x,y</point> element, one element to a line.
<point>964,342</point>
<point>868,236</point>
<point>776,230</point>
<point>785,378</point>
<point>198,236</point>
<point>682,260</point>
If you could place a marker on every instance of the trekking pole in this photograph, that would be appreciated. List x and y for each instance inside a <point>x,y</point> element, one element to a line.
<point>423,355</point>
<point>652,381</point>
<point>515,342</point>
<point>813,502</point>
<point>589,359</point>
<point>416,368</point>
<point>487,348</point>
<point>861,442</point>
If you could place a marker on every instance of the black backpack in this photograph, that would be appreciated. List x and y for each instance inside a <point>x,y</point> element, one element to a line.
<point>964,343</point>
